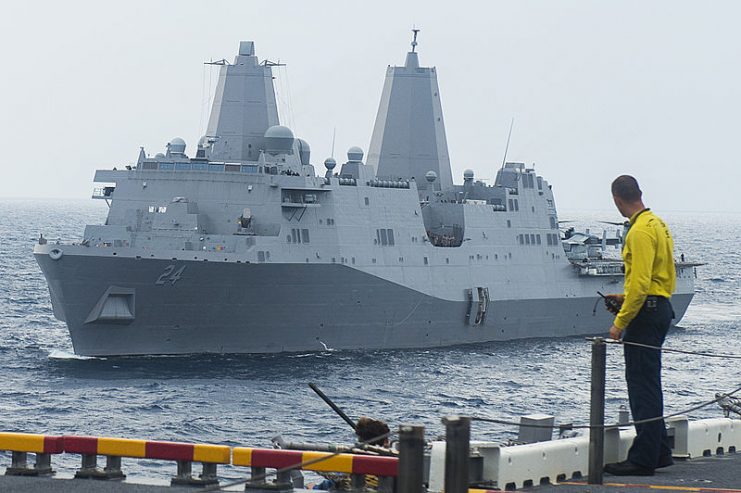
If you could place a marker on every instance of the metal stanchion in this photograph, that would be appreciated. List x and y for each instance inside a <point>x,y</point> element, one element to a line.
<point>597,412</point>
<point>411,458</point>
<point>457,453</point>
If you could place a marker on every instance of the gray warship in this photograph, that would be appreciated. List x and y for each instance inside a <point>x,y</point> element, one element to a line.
<point>244,248</point>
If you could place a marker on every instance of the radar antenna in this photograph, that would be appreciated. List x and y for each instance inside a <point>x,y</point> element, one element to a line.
<point>414,41</point>
<point>506,148</point>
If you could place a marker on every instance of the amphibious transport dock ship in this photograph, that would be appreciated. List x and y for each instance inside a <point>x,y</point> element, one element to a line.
<point>242,248</point>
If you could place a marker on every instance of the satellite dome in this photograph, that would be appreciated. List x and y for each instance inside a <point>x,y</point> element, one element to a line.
<point>279,140</point>
<point>355,153</point>
<point>330,163</point>
<point>304,151</point>
<point>431,176</point>
<point>177,146</point>
<point>468,174</point>
<point>159,155</point>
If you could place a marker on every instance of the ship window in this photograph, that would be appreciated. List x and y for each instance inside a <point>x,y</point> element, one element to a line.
<point>527,239</point>
<point>401,259</point>
<point>511,205</point>
<point>353,260</point>
<point>374,261</point>
<point>554,224</point>
<point>391,237</point>
<point>288,238</point>
<point>537,239</point>
<point>426,261</point>
<point>517,205</point>
<point>367,201</point>
<point>384,237</point>
<point>530,180</point>
<point>532,239</point>
<point>447,260</point>
<point>294,236</point>
<point>151,208</point>
<point>267,255</point>
<point>320,221</point>
<point>540,183</point>
<point>509,223</point>
<point>549,239</point>
<point>261,256</point>
<point>305,235</point>
<point>520,239</point>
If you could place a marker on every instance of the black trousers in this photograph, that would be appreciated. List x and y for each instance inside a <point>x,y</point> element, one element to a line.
<point>643,375</point>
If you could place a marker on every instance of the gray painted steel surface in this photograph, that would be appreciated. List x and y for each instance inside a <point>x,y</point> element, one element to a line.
<point>244,249</point>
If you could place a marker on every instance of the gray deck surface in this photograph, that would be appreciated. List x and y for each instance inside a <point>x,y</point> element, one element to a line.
<point>721,474</point>
<point>704,475</point>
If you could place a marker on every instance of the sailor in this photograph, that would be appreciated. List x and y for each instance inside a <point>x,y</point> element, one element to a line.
<point>371,432</point>
<point>644,317</point>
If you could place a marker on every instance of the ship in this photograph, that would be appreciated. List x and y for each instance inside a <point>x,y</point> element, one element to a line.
<point>247,247</point>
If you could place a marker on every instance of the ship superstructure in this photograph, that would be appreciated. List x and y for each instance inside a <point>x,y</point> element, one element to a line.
<point>243,248</point>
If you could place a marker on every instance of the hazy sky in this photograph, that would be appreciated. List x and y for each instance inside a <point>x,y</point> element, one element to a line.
<point>597,89</point>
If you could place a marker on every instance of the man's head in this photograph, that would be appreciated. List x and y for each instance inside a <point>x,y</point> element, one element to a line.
<point>627,195</point>
<point>368,428</point>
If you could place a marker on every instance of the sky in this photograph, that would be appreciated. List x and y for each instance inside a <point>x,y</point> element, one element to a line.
<point>596,88</point>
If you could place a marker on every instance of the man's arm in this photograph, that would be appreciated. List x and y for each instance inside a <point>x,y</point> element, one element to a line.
<point>642,248</point>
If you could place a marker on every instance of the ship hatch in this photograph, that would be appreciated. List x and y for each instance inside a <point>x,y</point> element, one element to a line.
<point>115,306</point>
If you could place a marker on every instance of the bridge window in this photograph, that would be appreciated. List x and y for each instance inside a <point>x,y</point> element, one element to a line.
<point>305,235</point>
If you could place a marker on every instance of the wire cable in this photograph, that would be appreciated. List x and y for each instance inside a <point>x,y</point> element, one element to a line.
<point>718,398</point>
<point>672,350</point>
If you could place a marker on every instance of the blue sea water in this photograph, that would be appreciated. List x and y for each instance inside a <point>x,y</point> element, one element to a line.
<point>246,400</point>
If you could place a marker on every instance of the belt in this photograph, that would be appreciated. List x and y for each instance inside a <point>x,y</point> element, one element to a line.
<point>653,301</point>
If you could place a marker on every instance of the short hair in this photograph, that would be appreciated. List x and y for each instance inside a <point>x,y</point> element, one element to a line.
<point>625,187</point>
<point>367,429</point>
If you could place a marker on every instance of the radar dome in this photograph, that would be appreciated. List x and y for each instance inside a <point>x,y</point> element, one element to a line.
<point>330,163</point>
<point>159,155</point>
<point>279,140</point>
<point>304,151</point>
<point>177,146</point>
<point>431,176</point>
<point>468,175</point>
<point>355,153</point>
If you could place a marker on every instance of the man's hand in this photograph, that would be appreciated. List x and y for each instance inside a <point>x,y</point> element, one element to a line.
<point>613,302</point>
<point>615,333</point>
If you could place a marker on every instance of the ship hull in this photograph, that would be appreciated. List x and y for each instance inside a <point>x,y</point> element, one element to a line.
<point>213,307</point>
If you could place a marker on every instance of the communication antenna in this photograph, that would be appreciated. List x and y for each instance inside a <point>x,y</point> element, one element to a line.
<point>334,133</point>
<point>414,41</point>
<point>506,148</point>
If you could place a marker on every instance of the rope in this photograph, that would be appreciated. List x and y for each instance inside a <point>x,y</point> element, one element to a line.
<point>671,350</point>
<point>220,487</point>
<point>718,398</point>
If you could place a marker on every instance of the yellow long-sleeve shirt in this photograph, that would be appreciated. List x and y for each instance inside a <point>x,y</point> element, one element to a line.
<point>648,254</point>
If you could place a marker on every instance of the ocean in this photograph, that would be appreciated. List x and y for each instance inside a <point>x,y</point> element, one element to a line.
<point>248,399</point>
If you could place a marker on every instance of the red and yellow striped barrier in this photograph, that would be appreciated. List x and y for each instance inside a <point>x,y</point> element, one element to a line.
<point>27,442</point>
<point>344,463</point>
<point>145,449</point>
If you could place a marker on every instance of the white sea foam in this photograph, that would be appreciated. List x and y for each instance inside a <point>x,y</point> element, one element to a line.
<point>64,355</point>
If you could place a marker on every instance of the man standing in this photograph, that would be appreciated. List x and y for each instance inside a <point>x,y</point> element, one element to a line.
<point>644,317</point>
